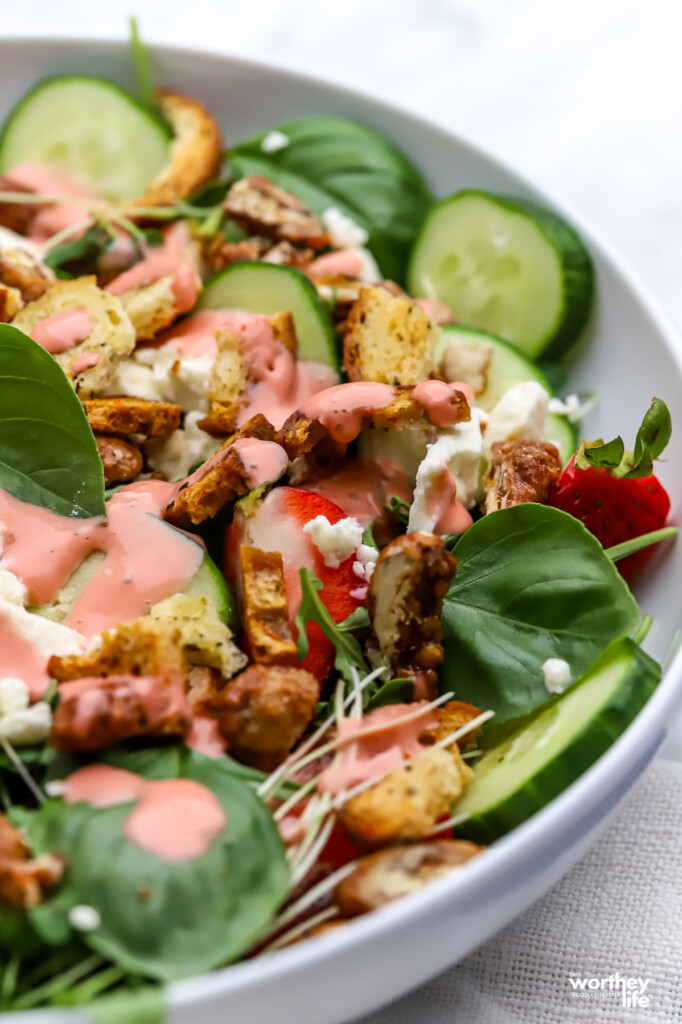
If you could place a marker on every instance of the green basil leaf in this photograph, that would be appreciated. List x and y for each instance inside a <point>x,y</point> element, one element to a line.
<point>532,583</point>
<point>48,455</point>
<point>332,162</point>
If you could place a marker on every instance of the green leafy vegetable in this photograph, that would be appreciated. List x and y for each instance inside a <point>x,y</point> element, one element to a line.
<point>629,547</point>
<point>79,255</point>
<point>145,89</point>
<point>48,455</point>
<point>400,509</point>
<point>332,162</point>
<point>652,438</point>
<point>143,1004</point>
<point>532,583</point>
<point>395,691</point>
<point>311,609</point>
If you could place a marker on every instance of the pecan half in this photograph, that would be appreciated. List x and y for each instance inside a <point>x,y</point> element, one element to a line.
<point>262,208</point>
<point>121,460</point>
<point>520,471</point>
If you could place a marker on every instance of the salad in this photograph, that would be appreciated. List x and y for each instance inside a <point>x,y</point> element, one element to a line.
<point>309,587</point>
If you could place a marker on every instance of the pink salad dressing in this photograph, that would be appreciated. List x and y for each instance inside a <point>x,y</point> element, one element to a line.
<point>174,819</point>
<point>85,361</point>
<point>363,486</point>
<point>341,409</point>
<point>344,263</point>
<point>450,515</point>
<point>205,738</point>
<point>21,660</point>
<point>438,311</point>
<point>51,219</point>
<point>62,331</point>
<point>384,750</point>
<point>437,400</point>
<point>263,460</point>
<point>153,268</point>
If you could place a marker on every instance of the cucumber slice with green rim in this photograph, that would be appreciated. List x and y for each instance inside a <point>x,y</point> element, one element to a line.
<point>521,774</point>
<point>90,128</point>
<point>268,288</point>
<point>506,266</point>
<point>509,367</point>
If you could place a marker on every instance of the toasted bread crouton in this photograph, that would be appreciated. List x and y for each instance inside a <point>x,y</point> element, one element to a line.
<point>264,607</point>
<point>205,639</point>
<point>300,434</point>
<point>224,477</point>
<point>23,882</point>
<point>405,805</point>
<point>405,600</point>
<point>195,150</point>
<point>262,208</point>
<point>153,307</point>
<point>217,253</point>
<point>111,339</point>
<point>284,330</point>
<point>124,414</point>
<point>388,339</point>
<point>263,712</point>
<point>140,648</point>
<point>388,875</point>
<point>95,712</point>
<point>520,471</point>
<point>451,717</point>
<point>20,270</point>
<point>122,460</point>
<point>466,363</point>
<point>10,303</point>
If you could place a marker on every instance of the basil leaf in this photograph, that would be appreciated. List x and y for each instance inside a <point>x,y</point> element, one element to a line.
<point>332,162</point>
<point>311,609</point>
<point>532,583</point>
<point>48,455</point>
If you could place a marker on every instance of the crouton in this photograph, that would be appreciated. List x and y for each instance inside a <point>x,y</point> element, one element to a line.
<point>405,805</point>
<point>264,607</point>
<point>23,882</point>
<point>388,339</point>
<point>111,339</point>
<point>205,639</point>
<point>300,434</point>
<point>122,460</point>
<point>520,471</point>
<point>263,712</point>
<point>195,150</point>
<point>451,717</point>
<point>388,875</point>
<point>284,330</point>
<point>262,208</point>
<point>95,712</point>
<point>140,648</point>
<point>20,270</point>
<point>217,253</point>
<point>123,414</point>
<point>284,254</point>
<point>10,303</point>
<point>405,601</point>
<point>468,363</point>
<point>222,478</point>
<point>153,307</point>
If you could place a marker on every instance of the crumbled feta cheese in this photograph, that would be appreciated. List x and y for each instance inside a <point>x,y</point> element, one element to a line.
<point>519,415</point>
<point>343,232</point>
<point>366,558</point>
<point>458,449</point>
<point>567,406</point>
<point>11,588</point>
<point>175,455</point>
<point>405,447</point>
<point>274,141</point>
<point>31,725</point>
<point>369,269</point>
<point>56,787</point>
<point>557,673</point>
<point>335,541</point>
<point>84,918</point>
<point>161,374</point>
<point>44,635</point>
<point>14,695</point>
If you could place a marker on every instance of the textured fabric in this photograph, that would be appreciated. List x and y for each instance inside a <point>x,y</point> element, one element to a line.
<point>619,909</point>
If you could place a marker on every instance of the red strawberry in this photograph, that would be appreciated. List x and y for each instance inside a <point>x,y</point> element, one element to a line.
<point>276,524</point>
<point>614,493</point>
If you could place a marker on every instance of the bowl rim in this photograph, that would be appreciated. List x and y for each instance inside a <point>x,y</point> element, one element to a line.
<point>610,770</point>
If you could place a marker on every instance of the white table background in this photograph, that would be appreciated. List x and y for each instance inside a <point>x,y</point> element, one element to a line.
<point>584,96</point>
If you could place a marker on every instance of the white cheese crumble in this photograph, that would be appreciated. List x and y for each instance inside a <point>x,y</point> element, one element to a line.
<point>161,374</point>
<point>19,723</point>
<point>84,918</point>
<point>519,415</point>
<point>567,406</point>
<point>343,232</point>
<point>335,541</point>
<point>274,141</point>
<point>56,787</point>
<point>11,588</point>
<point>45,636</point>
<point>459,448</point>
<point>175,455</point>
<point>369,268</point>
<point>557,673</point>
<point>366,558</point>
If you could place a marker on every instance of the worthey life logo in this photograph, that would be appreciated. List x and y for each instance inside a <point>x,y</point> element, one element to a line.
<point>631,992</point>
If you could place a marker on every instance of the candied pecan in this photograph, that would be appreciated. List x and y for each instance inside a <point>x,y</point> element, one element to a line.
<point>264,607</point>
<point>262,712</point>
<point>284,254</point>
<point>12,845</point>
<point>520,471</point>
<point>262,208</point>
<point>219,254</point>
<point>121,460</point>
<point>405,600</point>
<point>24,882</point>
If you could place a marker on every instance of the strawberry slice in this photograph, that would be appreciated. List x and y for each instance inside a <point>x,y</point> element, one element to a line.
<point>276,524</point>
<point>614,492</point>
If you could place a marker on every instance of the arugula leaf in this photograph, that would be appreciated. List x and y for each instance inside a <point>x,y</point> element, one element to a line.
<point>532,583</point>
<point>311,609</point>
<point>79,255</point>
<point>48,455</point>
<point>359,619</point>
<point>328,162</point>
<point>400,509</point>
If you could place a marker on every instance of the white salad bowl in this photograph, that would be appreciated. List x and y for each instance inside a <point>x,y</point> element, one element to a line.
<point>632,355</point>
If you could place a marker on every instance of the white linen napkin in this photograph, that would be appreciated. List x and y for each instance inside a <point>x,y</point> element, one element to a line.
<point>618,910</point>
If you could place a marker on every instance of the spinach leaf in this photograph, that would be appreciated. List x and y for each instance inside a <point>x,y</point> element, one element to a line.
<point>48,455</point>
<point>170,919</point>
<point>311,609</point>
<point>395,691</point>
<point>332,162</point>
<point>532,583</point>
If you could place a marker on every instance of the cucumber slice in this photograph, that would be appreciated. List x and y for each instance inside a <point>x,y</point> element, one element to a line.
<point>509,367</point>
<point>524,772</point>
<point>207,580</point>
<point>268,288</point>
<point>506,266</point>
<point>90,128</point>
